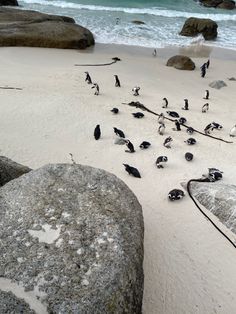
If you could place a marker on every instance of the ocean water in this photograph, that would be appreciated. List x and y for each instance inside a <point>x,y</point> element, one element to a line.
<point>111,20</point>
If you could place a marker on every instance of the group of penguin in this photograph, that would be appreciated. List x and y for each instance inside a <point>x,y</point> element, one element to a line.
<point>175,194</point>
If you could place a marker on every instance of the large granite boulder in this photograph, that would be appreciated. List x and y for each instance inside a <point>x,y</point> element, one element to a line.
<point>72,235</point>
<point>218,198</point>
<point>181,63</point>
<point>34,29</point>
<point>194,26</point>
<point>9,2</point>
<point>222,4</point>
<point>10,304</point>
<point>10,170</point>
<point>218,84</point>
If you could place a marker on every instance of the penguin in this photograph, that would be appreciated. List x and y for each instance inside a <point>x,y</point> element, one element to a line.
<point>167,142</point>
<point>130,146</point>
<point>138,115</point>
<point>154,53</point>
<point>182,120</point>
<point>177,125</point>
<point>205,107</point>
<point>136,90</point>
<point>217,126</point>
<point>116,59</point>
<point>209,128</point>
<point>161,129</point>
<point>133,171</point>
<point>206,94</point>
<point>88,78</point>
<point>117,83</point>
<point>161,118</point>
<point>119,133</point>
<point>144,145</point>
<point>191,141</point>
<point>215,176</point>
<point>208,64</point>
<point>232,132</point>
<point>190,130</point>
<point>97,132</point>
<point>185,104</point>
<point>175,194</point>
<point>203,67</point>
<point>165,103</point>
<point>173,114</point>
<point>95,85</point>
<point>212,170</point>
<point>203,72</point>
<point>115,110</point>
<point>117,20</point>
<point>188,156</point>
<point>160,160</point>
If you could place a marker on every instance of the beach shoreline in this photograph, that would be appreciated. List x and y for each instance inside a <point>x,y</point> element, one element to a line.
<point>188,266</point>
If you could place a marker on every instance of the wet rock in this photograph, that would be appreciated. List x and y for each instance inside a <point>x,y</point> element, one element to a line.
<point>181,63</point>
<point>88,255</point>
<point>10,304</point>
<point>221,4</point>
<point>138,22</point>
<point>217,84</point>
<point>9,2</point>
<point>218,198</point>
<point>35,29</point>
<point>194,26</point>
<point>227,5</point>
<point>10,170</point>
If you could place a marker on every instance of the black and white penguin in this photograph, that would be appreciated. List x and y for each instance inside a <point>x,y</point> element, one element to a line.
<point>188,156</point>
<point>144,145</point>
<point>160,160</point>
<point>161,118</point>
<point>119,133</point>
<point>175,194</point>
<point>117,83</point>
<point>177,125</point>
<point>217,126</point>
<point>212,170</point>
<point>206,94</point>
<point>154,53</point>
<point>95,85</point>
<point>165,103</point>
<point>205,107</point>
<point>232,132</point>
<point>209,128</point>
<point>173,114</point>
<point>130,146</point>
<point>167,142</point>
<point>185,104</point>
<point>190,130</point>
<point>182,120</point>
<point>136,90</point>
<point>133,171</point>
<point>191,141</point>
<point>161,129</point>
<point>115,110</point>
<point>138,115</point>
<point>214,174</point>
<point>97,132</point>
<point>88,78</point>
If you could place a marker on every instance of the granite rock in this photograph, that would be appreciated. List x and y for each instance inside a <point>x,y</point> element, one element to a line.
<point>217,84</point>
<point>181,63</point>
<point>194,26</point>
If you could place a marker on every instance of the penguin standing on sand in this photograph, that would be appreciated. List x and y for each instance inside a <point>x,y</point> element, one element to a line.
<point>119,133</point>
<point>97,132</point>
<point>205,107</point>
<point>117,83</point>
<point>206,94</point>
<point>185,104</point>
<point>177,125</point>
<point>233,131</point>
<point>95,85</point>
<point>208,128</point>
<point>182,120</point>
<point>167,142</point>
<point>136,90</point>
<point>88,78</point>
<point>130,146</point>
<point>154,53</point>
<point>144,145</point>
<point>161,129</point>
<point>208,64</point>
<point>165,103</point>
<point>203,72</point>
<point>161,118</point>
<point>188,156</point>
<point>133,171</point>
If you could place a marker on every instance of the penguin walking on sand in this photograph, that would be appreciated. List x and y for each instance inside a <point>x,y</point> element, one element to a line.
<point>117,83</point>
<point>95,85</point>
<point>185,104</point>
<point>154,53</point>
<point>97,132</point>
<point>208,128</point>
<point>160,160</point>
<point>161,118</point>
<point>130,146</point>
<point>177,125</point>
<point>133,171</point>
<point>161,129</point>
<point>205,107</point>
<point>119,133</point>
<point>203,72</point>
<point>206,94</point>
<point>136,90</point>
<point>165,103</point>
<point>232,132</point>
<point>173,114</point>
<point>167,142</point>
<point>88,78</point>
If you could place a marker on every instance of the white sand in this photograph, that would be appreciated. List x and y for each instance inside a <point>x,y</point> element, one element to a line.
<point>189,267</point>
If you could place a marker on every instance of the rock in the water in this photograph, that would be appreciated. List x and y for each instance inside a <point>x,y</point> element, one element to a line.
<point>9,2</point>
<point>75,233</point>
<point>181,63</point>
<point>219,198</point>
<point>138,22</point>
<point>217,84</point>
<point>194,26</point>
<point>10,170</point>
<point>222,4</point>
<point>35,29</point>
<point>227,5</point>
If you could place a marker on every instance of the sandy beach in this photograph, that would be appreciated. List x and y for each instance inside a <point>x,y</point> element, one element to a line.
<point>189,267</point>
